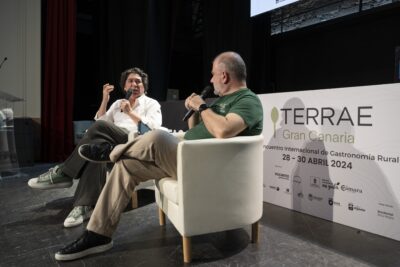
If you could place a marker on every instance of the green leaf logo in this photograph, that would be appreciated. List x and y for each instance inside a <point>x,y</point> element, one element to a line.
<point>274,118</point>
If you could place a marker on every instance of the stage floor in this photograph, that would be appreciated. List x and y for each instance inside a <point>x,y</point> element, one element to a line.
<point>31,232</point>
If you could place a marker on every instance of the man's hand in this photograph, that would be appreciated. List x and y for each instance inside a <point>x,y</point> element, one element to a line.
<point>107,89</point>
<point>126,106</point>
<point>193,102</point>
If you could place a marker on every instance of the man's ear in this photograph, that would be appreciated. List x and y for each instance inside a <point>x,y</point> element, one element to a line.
<point>225,77</point>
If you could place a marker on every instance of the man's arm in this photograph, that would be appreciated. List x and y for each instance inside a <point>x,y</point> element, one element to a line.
<point>107,89</point>
<point>223,126</point>
<point>194,120</point>
<point>219,126</point>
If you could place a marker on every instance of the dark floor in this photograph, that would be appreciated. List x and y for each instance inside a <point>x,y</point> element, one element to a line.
<point>31,232</point>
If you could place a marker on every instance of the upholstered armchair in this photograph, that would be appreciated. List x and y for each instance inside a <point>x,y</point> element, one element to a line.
<point>219,187</point>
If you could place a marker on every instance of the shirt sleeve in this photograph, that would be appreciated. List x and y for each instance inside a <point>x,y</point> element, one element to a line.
<point>109,115</point>
<point>249,108</point>
<point>152,116</point>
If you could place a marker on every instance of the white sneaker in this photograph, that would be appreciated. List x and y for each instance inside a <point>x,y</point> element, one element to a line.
<point>78,215</point>
<point>53,178</point>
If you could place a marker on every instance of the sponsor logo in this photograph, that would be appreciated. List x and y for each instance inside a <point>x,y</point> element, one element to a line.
<point>327,184</point>
<point>315,181</point>
<point>353,207</point>
<point>283,176</point>
<point>331,202</point>
<point>274,187</point>
<point>386,214</point>
<point>296,179</point>
<point>385,205</point>
<point>346,188</point>
<point>311,197</point>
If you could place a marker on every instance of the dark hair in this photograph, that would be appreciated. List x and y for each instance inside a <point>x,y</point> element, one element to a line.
<point>234,64</point>
<point>141,73</point>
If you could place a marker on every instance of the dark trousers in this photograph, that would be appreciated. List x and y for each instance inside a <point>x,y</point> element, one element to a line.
<point>92,175</point>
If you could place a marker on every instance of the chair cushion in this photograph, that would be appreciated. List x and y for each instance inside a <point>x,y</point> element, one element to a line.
<point>169,188</point>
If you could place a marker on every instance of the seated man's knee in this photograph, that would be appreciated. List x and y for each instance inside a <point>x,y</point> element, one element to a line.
<point>98,126</point>
<point>101,124</point>
<point>159,140</point>
<point>156,137</point>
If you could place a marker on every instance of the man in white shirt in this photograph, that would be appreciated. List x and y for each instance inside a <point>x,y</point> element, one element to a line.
<point>112,127</point>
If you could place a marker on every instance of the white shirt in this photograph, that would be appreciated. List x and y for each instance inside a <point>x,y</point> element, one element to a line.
<point>147,108</point>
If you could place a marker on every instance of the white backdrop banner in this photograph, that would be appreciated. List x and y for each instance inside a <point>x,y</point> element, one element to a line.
<point>335,154</point>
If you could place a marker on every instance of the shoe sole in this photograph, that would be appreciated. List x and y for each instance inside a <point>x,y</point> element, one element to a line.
<point>33,184</point>
<point>91,160</point>
<point>73,224</point>
<point>87,252</point>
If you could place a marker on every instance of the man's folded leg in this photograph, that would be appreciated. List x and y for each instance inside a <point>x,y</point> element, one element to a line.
<point>116,194</point>
<point>125,175</point>
<point>96,152</point>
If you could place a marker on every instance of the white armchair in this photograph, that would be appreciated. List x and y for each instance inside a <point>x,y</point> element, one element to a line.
<point>219,187</point>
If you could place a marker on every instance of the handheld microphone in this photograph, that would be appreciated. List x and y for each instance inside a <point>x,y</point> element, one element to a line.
<point>128,95</point>
<point>4,59</point>
<point>203,94</point>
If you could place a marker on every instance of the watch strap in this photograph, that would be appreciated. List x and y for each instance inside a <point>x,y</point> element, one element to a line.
<point>203,107</point>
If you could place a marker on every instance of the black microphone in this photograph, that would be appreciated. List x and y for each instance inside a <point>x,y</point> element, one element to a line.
<point>128,94</point>
<point>1,64</point>
<point>203,94</point>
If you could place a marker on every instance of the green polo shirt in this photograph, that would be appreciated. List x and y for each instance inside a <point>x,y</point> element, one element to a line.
<point>244,103</point>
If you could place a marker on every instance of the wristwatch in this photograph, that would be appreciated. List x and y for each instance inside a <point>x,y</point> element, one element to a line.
<point>203,107</point>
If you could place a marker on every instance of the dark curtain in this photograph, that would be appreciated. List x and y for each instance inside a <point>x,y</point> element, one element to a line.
<point>228,27</point>
<point>58,80</point>
<point>161,21</point>
<point>121,33</point>
<point>260,63</point>
<point>136,34</point>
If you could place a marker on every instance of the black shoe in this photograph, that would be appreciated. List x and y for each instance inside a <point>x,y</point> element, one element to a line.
<point>89,243</point>
<point>96,152</point>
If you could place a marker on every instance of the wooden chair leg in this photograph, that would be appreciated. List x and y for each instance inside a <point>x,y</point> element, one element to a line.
<point>135,202</point>
<point>254,232</point>
<point>187,250</point>
<point>161,216</point>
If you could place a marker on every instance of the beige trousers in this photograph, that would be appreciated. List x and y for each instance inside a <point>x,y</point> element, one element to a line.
<point>150,156</point>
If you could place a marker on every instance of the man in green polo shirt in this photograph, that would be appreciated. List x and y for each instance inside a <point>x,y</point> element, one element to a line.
<point>237,111</point>
<point>243,103</point>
